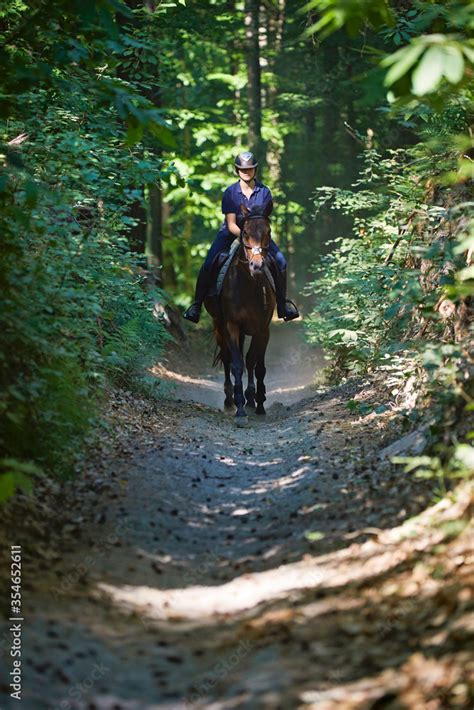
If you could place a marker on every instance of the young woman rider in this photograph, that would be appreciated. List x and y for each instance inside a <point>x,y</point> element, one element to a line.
<point>251,193</point>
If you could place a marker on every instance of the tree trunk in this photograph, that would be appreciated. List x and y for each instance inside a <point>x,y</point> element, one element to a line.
<point>155,233</point>
<point>137,209</point>
<point>137,233</point>
<point>252,22</point>
<point>274,36</point>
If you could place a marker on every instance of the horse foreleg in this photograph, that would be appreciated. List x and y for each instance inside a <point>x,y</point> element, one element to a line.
<point>228,387</point>
<point>250,362</point>
<point>237,368</point>
<point>260,371</point>
<point>224,357</point>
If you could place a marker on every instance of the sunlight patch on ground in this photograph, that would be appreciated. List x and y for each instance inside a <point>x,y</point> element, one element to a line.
<point>283,390</point>
<point>249,590</point>
<point>197,602</point>
<point>281,482</point>
<point>242,511</point>
<point>264,464</point>
<point>162,371</point>
<point>356,563</point>
<point>227,460</point>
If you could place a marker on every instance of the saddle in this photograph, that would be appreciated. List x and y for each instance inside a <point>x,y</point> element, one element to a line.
<point>222,262</point>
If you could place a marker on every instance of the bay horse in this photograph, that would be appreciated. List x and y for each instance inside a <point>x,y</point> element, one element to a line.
<point>247,303</point>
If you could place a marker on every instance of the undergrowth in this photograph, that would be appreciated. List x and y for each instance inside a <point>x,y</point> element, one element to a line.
<point>396,295</point>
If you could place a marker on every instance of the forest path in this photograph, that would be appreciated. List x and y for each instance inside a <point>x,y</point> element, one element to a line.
<point>209,566</point>
<point>291,367</point>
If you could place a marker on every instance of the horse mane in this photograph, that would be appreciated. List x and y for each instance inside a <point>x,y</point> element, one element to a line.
<point>257,210</point>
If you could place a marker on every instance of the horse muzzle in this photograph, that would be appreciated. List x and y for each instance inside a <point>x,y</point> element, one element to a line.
<point>256,267</point>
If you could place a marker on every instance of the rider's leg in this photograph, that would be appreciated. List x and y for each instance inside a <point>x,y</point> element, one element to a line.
<point>286,309</point>
<point>221,243</point>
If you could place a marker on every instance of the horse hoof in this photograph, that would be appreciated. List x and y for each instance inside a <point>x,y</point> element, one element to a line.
<point>241,421</point>
<point>250,397</point>
<point>260,410</point>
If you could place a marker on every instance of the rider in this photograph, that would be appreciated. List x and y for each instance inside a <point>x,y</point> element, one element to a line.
<point>251,193</point>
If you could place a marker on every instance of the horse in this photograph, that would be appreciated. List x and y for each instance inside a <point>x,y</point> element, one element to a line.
<point>246,307</point>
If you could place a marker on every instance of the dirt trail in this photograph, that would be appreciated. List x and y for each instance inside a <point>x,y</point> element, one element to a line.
<point>268,567</point>
<point>291,368</point>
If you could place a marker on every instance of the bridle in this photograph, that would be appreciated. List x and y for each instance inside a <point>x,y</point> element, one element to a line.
<point>256,249</point>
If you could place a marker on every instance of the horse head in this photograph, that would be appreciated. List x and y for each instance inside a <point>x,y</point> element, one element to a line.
<point>256,235</point>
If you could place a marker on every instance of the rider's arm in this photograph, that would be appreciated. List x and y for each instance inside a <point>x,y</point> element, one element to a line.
<point>267,201</point>
<point>232,224</point>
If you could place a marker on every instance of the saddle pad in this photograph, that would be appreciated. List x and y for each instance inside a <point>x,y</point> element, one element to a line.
<point>225,267</point>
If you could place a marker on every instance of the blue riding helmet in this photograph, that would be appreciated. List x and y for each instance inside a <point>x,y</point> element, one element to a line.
<point>245,160</point>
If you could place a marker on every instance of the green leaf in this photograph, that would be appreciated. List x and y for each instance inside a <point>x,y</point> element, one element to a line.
<point>134,131</point>
<point>465,455</point>
<point>454,65</point>
<point>427,75</point>
<point>314,536</point>
<point>466,274</point>
<point>27,467</point>
<point>31,193</point>
<point>412,462</point>
<point>7,486</point>
<point>401,62</point>
<point>163,134</point>
<point>469,52</point>
<point>406,58</point>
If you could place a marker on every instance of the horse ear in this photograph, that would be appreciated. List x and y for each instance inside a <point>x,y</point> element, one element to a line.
<point>244,210</point>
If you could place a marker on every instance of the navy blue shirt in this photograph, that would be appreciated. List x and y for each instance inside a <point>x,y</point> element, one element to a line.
<point>233,198</point>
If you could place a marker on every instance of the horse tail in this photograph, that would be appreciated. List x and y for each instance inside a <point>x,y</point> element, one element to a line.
<point>218,349</point>
<point>217,356</point>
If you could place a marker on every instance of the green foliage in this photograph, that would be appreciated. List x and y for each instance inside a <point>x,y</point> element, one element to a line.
<point>16,474</point>
<point>76,309</point>
<point>202,62</point>
<point>397,294</point>
<point>352,14</point>
<point>71,287</point>
<point>452,463</point>
<point>371,287</point>
<point>426,62</point>
<point>107,104</point>
<point>66,47</point>
<point>440,49</point>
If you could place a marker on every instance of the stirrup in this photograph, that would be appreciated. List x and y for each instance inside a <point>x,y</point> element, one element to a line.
<point>290,311</point>
<point>193,313</point>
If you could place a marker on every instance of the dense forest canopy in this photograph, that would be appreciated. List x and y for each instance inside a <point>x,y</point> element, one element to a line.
<point>120,123</point>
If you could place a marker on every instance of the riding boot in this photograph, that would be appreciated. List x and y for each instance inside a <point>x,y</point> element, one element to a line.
<point>286,309</point>
<point>203,284</point>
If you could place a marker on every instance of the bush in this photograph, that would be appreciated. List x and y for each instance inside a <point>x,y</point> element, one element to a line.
<point>76,311</point>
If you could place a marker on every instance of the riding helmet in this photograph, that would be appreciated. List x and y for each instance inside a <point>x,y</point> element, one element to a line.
<point>245,160</point>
